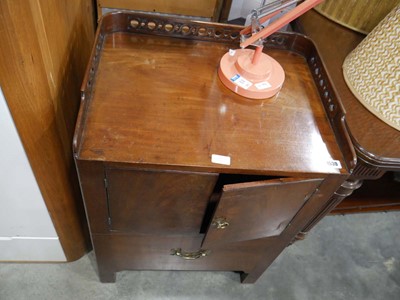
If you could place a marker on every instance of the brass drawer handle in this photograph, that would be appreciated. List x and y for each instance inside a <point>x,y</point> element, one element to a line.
<point>189,255</point>
<point>220,223</point>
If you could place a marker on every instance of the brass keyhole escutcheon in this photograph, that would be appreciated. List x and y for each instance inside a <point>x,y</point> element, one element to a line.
<point>220,223</point>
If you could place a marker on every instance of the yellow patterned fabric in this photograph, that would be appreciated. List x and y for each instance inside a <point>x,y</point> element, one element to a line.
<point>372,70</point>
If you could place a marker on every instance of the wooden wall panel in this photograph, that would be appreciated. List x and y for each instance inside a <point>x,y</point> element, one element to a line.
<point>45,45</point>
<point>200,8</point>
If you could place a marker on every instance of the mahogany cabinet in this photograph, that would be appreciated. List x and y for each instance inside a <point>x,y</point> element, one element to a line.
<point>179,173</point>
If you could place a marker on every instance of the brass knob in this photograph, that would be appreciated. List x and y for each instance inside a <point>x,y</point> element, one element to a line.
<point>220,223</point>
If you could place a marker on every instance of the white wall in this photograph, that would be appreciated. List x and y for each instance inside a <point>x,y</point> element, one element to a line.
<point>26,230</point>
<point>236,9</point>
<point>243,8</point>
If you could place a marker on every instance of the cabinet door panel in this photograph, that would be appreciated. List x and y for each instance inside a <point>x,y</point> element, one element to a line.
<point>152,201</point>
<point>257,209</point>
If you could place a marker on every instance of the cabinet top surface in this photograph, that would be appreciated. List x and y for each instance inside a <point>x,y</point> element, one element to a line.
<point>158,101</point>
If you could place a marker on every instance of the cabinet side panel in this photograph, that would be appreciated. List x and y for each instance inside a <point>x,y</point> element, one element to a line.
<point>91,178</point>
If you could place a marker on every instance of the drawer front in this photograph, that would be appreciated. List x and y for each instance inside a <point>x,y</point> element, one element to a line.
<point>135,252</point>
<point>158,202</point>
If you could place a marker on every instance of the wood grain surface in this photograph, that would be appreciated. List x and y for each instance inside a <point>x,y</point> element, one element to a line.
<point>259,209</point>
<point>155,202</point>
<point>153,109</point>
<point>45,46</point>
<point>168,107</point>
<point>201,8</point>
<point>130,252</point>
<point>373,138</point>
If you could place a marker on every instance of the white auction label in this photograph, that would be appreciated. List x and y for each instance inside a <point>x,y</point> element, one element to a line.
<point>241,81</point>
<point>263,85</point>
<point>220,159</point>
<point>334,163</point>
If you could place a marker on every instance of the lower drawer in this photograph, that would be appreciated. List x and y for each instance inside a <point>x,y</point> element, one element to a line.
<point>140,252</point>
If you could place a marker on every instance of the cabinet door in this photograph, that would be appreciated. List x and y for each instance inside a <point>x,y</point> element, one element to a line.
<point>255,210</point>
<point>158,202</point>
